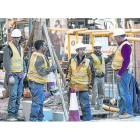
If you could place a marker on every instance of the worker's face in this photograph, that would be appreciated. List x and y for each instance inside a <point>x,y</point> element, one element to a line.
<point>81,51</point>
<point>15,40</point>
<point>43,48</point>
<point>97,49</point>
<point>117,39</point>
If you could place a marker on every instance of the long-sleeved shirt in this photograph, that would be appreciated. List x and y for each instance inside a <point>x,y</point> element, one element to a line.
<point>6,62</point>
<point>126,52</point>
<point>39,65</point>
<point>90,72</point>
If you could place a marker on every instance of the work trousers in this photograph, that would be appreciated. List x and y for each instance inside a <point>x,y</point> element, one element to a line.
<point>37,91</point>
<point>15,92</point>
<point>98,91</point>
<point>125,102</point>
<point>83,97</point>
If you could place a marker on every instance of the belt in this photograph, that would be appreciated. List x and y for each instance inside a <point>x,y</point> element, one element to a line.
<point>100,76</point>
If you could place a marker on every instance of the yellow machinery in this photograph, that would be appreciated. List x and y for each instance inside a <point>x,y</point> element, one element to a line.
<point>92,34</point>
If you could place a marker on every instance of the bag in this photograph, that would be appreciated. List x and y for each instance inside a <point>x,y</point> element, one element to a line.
<point>26,92</point>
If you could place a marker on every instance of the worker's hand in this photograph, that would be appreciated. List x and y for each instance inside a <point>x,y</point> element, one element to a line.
<point>90,91</point>
<point>99,73</point>
<point>24,75</point>
<point>53,67</point>
<point>118,77</point>
<point>11,80</point>
<point>67,83</point>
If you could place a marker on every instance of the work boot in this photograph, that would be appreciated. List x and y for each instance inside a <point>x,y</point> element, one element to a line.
<point>1,119</point>
<point>115,115</point>
<point>20,118</point>
<point>125,116</point>
<point>96,107</point>
<point>101,109</point>
<point>11,119</point>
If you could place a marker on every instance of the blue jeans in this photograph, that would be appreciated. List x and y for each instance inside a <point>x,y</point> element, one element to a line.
<point>15,93</point>
<point>125,102</point>
<point>37,91</point>
<point>84,103</point>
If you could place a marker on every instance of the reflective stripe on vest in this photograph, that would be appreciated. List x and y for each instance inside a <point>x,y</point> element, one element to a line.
<point>79,76</point>
<point>118,59</point>
<point>16,61</point>
<point>97,63</point>
<point>32,72</point>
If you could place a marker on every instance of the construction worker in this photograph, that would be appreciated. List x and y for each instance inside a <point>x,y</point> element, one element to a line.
<point>15,68</point>
<point>122,66</point>
<point>98,89</point>
<point>80,76</point>
<point>37,76</point>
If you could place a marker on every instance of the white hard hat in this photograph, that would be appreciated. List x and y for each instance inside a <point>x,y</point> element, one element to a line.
<point>80,45</point>
<point>16,33</point>
<point>96,44</point>
<point>119,31</point>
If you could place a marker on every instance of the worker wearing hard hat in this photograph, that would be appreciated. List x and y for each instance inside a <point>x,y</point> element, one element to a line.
<point>37,77</point>
<point>122,65</point>
<point>99,62</point>
<point>80,76</point>
<point>15,68</point>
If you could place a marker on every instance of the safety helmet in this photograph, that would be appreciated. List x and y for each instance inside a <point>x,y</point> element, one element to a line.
<point>16,33</point>
<point>97,44</point>
<point>119,31</point>
<point>80,45</point>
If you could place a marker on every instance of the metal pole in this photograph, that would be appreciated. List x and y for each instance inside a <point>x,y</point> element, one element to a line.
<point>57,78</point>
<point>7,30</point>
<point>109,100</point>
<point>30,26</point>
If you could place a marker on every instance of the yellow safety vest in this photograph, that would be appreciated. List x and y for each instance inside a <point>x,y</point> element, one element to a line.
<point>118,59</point>
<point>32,72</point>
<point>97,63</point>
<point>16,61</point>
<point>79,76</point>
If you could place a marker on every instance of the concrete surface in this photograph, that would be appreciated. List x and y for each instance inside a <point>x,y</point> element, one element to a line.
<point>59,116</point>
<point>48,113</point>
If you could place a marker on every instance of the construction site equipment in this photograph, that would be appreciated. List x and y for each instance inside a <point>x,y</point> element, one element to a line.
<point>59,68</point>
<point>26,92</point>
<point>113,109</point>
<point>113,102</point>
<point>74,109</point>
<point>53,61</point>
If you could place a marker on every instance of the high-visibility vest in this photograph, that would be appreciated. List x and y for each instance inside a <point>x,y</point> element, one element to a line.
<point>32,72</point>
<point>16,61</point>
<point>118,59</point>
<point>79,76</point>
<point>97,63</point>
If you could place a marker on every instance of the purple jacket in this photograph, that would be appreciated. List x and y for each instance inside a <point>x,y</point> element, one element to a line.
<point>126,52</point>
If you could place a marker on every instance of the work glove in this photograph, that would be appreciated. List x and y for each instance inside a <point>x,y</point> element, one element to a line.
<point>11,80</point>
<point>53,67</point>
<point>67,83</point>
<point>99,73</point>
<point>24,75</point>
